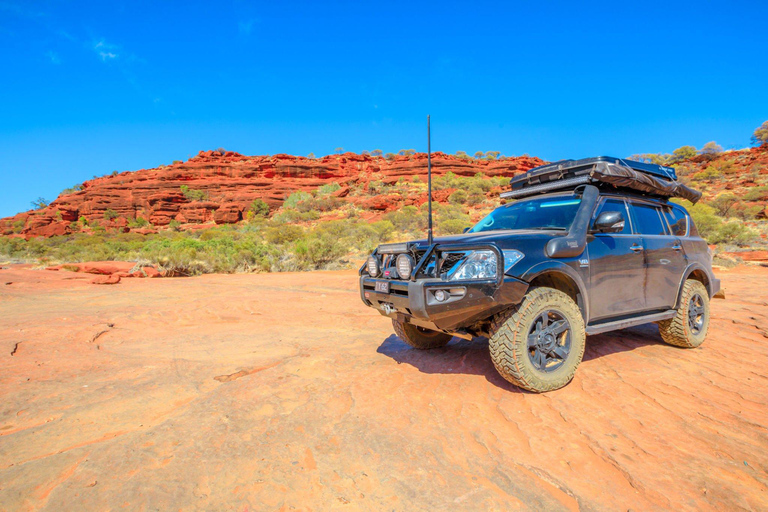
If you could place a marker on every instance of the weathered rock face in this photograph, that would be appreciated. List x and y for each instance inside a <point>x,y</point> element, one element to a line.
<point>221,187</point>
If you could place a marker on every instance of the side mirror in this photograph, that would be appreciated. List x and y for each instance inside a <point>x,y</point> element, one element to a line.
<point>465,230</point>
<point>610,222</point>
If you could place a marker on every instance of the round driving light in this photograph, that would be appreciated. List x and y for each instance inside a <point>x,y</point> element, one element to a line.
<point>373,266</point>
<point>441,296</point>
<point>404,266</point>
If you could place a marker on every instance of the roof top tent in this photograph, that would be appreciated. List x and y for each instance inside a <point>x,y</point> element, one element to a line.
<point>650,179</point>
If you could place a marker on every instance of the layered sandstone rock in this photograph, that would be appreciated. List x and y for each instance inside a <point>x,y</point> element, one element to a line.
<point>220,188</point>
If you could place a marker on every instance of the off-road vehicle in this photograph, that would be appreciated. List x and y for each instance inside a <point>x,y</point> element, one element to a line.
<point>584,247</point>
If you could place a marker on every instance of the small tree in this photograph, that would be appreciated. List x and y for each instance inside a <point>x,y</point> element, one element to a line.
<point>110,214</point>
<point>339,150</point>
<point>684,153</point>
<point>723,203</point>
<point>376,152</point>
<point>479,154</point>
<point>259,208</point>
<point>711,150</point>
<point>40,203</point>
<point>760,136</point>
<point>492,155</point>
<point>462,154</point>
<point>311,156</point>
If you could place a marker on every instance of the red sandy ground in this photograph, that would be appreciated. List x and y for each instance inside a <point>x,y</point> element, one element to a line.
<point>282,391</point>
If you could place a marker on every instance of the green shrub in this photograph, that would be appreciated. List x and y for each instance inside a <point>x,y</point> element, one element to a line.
<point>138,222</point>
<point>328,189</point>
<point>193,195</point>
<point>283,234</point>
<point>684,153</point>
<point>757,194</point>
<point>760,135</point>
<point>717,230</point>
<point>72,189</point>
<point>297,197</point>
<point>259,208</point>
<point>40,203</point>
<point>110,214</point>
<point>458,197</point>
<point>451,226</point>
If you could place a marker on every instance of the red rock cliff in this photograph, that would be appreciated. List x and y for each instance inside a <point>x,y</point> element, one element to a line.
<point>230,182</point>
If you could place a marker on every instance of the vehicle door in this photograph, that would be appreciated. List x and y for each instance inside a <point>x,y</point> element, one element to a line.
<point>616,266</point>
<point>664,257</point>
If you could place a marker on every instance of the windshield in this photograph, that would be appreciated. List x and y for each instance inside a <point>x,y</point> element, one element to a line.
<point>542,213</point>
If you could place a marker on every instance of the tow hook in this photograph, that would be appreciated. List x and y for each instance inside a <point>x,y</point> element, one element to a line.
<point>388,308</point>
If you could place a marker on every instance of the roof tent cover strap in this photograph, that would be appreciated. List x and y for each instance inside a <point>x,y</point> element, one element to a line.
<point>620,176</point>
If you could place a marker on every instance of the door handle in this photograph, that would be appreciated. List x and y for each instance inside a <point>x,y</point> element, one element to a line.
<point>636,247</point>
<point>677,247</point>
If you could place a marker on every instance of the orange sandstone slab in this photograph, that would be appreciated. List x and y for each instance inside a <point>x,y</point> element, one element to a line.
<point>282,391</point>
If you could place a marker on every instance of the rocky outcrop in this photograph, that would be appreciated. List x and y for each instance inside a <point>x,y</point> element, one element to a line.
<point>220,188</point>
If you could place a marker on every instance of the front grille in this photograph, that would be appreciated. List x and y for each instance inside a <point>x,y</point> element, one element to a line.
<point>450,260</point>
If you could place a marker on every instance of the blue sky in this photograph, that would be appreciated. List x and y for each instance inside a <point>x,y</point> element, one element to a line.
<point>92,87</point>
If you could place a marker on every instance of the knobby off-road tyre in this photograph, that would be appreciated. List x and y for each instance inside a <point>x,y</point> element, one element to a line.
<point>689,326</point>
<point>533,354</point>
<point>418,337</point>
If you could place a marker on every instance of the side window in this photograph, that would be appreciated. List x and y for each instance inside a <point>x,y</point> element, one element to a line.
<point>647,220</point>
<point>677,219</point>
<point>615,205</point>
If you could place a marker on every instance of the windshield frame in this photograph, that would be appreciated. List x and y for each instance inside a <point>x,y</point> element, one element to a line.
<point>555,195</point>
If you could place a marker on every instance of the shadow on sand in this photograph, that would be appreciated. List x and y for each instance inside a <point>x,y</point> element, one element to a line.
<point>472,357</point>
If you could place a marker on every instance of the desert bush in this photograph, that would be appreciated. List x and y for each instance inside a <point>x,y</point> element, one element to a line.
<point>715,229</point>
<point>193,195</point>
<point>458,197</point>
<point>711,150</point>
<point>723,203</point>
<point>684,153</point>
<point>760,135</point>
<point>72,189</point>
<point>40,203</point>
<point>138,222</point>
<point>290,216</point>
<point>451,226</point>
<point>259,208</point>
<point>757,194</point>
<point>294,199</point>
<point>328,189</point>
<point>110,214</point>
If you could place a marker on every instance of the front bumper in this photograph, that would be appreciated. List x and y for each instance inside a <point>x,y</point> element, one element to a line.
<point>413,301</point>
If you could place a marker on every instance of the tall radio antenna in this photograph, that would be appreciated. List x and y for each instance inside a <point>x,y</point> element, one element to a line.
<point>429,182</point>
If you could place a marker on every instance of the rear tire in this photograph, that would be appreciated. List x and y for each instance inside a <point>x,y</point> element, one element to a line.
<point>538,344</point>
<point>688,328</point>
<point>418,337</point>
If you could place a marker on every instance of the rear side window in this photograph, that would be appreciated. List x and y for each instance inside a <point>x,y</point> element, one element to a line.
<point>616,205</point>
<point>647,220</point>
<point>678,220</point>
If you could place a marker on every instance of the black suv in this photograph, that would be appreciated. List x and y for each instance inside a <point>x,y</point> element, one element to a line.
<point>586,247</point>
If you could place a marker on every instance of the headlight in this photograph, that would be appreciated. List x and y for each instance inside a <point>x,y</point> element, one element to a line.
<point>478,265</point>
<point>404,266</point>
<point>373,266</point>
<point>511,257</point>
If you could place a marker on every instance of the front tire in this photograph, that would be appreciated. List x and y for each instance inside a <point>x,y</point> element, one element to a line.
<point>418,337</point>
<point>688,328</point>
<point>539,344</point>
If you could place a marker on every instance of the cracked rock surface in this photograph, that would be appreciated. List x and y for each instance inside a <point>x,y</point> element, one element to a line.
<point>282,391</point>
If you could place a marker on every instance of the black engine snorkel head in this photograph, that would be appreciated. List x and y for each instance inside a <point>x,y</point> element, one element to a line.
<point>573,243</point>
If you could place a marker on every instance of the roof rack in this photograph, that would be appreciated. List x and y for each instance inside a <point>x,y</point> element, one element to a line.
<point>651,179</point>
